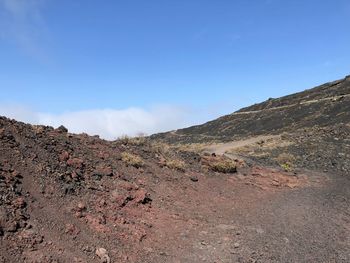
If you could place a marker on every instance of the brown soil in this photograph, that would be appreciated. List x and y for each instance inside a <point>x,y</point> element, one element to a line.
<point>73,198</point>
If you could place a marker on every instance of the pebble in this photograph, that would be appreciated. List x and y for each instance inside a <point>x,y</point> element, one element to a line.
<point>194,179</point>
<point>102,254</point>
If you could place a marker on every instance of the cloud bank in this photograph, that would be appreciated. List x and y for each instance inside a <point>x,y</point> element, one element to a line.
<point>107,123</point>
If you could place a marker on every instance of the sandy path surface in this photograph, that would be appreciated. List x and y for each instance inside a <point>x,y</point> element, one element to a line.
<point>233,219</point>
<point>222,148</point>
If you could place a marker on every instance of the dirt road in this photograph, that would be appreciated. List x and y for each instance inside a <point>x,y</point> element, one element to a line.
<point>228,148</point>
<point>230,219</point>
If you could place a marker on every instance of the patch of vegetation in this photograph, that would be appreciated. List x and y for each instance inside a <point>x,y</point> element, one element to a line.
<point>285,158</point>
<point>160,148</point>
<point>286,161</point>
<point>224,166</point>
<point>132,159</point>
<point>287,167</point>
<point>134,141</point>
<point>176,165</point>
<point>219,164</point>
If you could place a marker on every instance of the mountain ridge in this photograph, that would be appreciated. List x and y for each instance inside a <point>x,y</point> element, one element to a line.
<point>323,105</point>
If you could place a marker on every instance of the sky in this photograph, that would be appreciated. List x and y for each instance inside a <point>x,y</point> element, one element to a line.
<point>117,68</point>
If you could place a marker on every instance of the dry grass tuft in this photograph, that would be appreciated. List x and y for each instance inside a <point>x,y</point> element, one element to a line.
<point>176,165</point>
<point>286,161</point>
<point>285,158</point>
<point>224,167</point>
<point>160,147</point>
<point>132,159</point>
<point>134,141</point>
<point>219,164</point>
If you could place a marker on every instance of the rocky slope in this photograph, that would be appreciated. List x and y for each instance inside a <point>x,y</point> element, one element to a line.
<point>76,198</point>
<point>283,198</point>
<point>314,124</point>
<point>323,106</point>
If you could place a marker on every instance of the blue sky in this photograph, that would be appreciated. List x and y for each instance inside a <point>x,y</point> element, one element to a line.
<point>191,59</point>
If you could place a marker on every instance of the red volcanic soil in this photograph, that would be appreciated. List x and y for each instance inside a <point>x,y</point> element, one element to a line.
<point>76,198</point>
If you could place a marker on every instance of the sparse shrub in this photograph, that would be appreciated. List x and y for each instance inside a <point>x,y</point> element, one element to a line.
<point>132,159</point>
<point>138,141</point>
<point>224,166</point>
<point>135,141</point>
<point>176,165</point>
<point>160,147</point>
<point>285,158</point>
<point>125,139</point>
<point>287,167</point>
<point>286,161</point>
<point>219,164</point>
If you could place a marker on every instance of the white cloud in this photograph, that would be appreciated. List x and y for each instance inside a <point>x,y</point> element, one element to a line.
<point>21,23</point>
<point>19,113</point>
<point>108,123</point>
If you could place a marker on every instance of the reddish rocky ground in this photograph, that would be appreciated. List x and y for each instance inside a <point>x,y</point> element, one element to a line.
<point>76,198</point>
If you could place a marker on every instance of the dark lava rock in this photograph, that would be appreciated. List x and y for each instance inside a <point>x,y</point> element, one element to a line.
<point>194,178</point>
<point>103,171</point>
<point>62,129</point>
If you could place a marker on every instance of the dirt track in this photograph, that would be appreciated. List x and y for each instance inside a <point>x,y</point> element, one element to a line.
<point>225,219</point>
<point>223,148</point>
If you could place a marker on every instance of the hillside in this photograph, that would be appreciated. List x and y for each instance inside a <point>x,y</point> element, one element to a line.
<point>322,106</point>
<point>77,198</point>
<point>266,184</point>
<point>312,127</point>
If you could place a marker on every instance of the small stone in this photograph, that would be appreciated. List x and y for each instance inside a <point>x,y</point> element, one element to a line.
<point>236,245</point>
<point>102,254</point>
<point>275,183</point>
<point>16,174</point>
<point>19,202</point>
<point>77,163</point>
<point>142,197</point>
<point>81,206</point>
<point>194,178</point>
<point>103,171</point>
<point>64,156</point>
<point>72,230</point>
<point>13,226</point>
<point>87,249</point>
